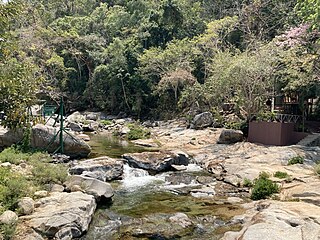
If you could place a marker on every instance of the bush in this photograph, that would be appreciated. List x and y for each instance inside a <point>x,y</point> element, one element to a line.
<point>137,132</point>
<point>279,174</point>
<point>7,231</point>
<point>317,169</point>
<point>263,188</point>
<point>247,183</point>
<point>12,187</point>
<point>15,156</point>
<point>44,173</point>
<point>105,122</point>
<point>296,160</point>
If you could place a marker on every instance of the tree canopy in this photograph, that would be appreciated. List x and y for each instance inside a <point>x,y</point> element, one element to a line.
<point>153,58</point>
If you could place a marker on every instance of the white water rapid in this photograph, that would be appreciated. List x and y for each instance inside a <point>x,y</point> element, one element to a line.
<point>134,178</point>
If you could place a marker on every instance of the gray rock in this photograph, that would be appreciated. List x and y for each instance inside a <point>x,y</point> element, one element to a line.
<point>41,193</point>
<point>125,130</point>
<point>157,161</point>
<point>93,116</point>
<point>8,217</point>
<point>75,127</point>
<point>66,233</point>
<point>100,190</point>
<point>102,168</point>
<point>230,136</point>
<point>202,120</point>
<point>57,188</point>
<point>84,137</point>
<point>26,205</point>
<point>41,138</point>
<point>76,117</point>
<point>181,219</point>
<point>59,213</point>
<point>91,127</point>
<point>279,220</point>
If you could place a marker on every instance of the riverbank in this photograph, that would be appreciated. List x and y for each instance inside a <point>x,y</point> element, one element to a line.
<point>291,214</point>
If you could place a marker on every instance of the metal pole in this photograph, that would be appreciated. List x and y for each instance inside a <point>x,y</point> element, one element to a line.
<point>61,126</point>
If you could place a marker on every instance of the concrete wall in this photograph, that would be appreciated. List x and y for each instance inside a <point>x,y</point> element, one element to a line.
<point>274,133</point>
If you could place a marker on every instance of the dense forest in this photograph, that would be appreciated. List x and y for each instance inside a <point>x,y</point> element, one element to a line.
<point>157,59</point>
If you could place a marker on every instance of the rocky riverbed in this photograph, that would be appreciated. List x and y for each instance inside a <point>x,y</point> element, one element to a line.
<point>156,196</point>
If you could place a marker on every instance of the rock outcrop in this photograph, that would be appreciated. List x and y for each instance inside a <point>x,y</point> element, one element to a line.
<point>157,161</point>
<point>228,136</point>
<point>102,168</point>
<point>43,137</point>
<point>102,191</point>
<point>61,214</point>
<point>279,220</point>
<point>202,120</point>
<point>8,217</point>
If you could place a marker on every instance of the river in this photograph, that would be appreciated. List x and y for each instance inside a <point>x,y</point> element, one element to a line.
<point>162,206</point>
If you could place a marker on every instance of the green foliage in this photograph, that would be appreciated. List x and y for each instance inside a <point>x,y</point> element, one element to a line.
<point>317,169</point>
<point>147,57</point>
<point>296,160</point>
<point>309,10</point>
<point>13,186</point>
<point>44,173</point>
<point>263,187</point>
<point>16,156</point>
<point>7,230</point>
<point>247,183</point>
<point>279,174</point>
<point>137,132</point>
<point>106,122</point>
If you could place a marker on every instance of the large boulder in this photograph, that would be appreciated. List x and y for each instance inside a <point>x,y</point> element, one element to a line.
<point>202,120</point>
<point>26,205</point>
<point>157,161</point>
<point>76,117</point>
<point>44,137</point>
<point>8,217</point>
<point>102,191</point>
<point>61,212</point>
<point>279,220</point>
<point>228,136</point>
<point>102,168</point>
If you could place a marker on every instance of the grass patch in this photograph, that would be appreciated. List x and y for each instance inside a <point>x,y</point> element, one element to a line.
<point>247,183</point>
<point>13,186</point>
<point>281,175</point>
<point>137,132</point>
<point>15,156</point>
<point>296,160</point>
<point>7,231</point>
<point>263,187</point>
<point>317,169</point>
<point>105,122</point>
<point>45,173</point>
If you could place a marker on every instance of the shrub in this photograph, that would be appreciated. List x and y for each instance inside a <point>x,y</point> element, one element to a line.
<point>44,173</point>
<point>7,231</point>
<point>137,132</point>
<point>279,174</point>
<point>106,122</point>
<point>247,183</point>
<point>317,169</point>
<point>263,188</point>
<point>13,156</point>
<point>13,186</point>
<point>296,160</point>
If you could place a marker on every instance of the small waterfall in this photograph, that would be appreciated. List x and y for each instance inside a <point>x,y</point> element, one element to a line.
<point>135,178</point>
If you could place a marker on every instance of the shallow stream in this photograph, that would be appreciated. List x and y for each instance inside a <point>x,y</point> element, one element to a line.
<point>146,207</point>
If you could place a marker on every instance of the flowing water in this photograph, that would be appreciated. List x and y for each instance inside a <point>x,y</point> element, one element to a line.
<point>144,207</point>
